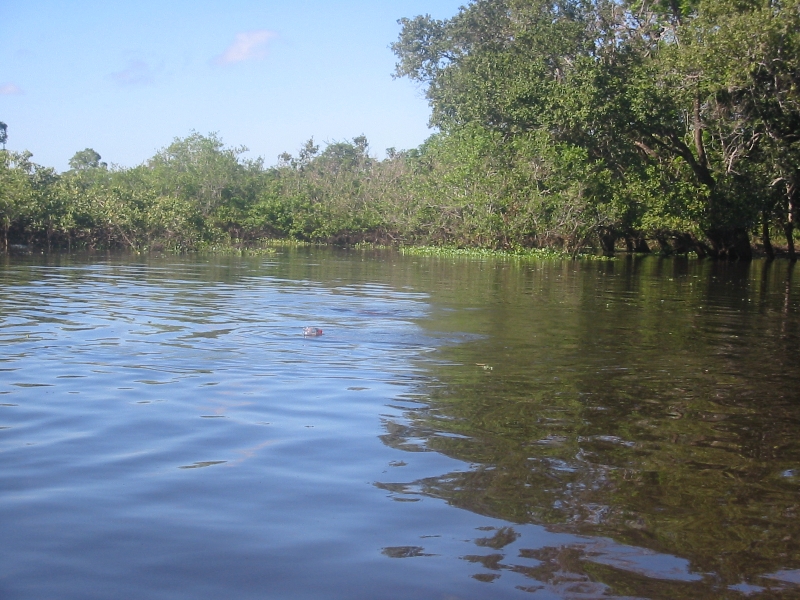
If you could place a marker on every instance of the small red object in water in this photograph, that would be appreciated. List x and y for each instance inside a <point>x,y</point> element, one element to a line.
<point>312,331</point>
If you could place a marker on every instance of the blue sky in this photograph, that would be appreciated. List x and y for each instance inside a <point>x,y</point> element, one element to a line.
<point>125,78</point>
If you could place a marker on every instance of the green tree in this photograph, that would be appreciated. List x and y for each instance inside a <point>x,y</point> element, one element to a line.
<point>200,169</point>
<point>648,92</point>
<point>15,191</point>
<point>749,59</point>
<point>86,159</point>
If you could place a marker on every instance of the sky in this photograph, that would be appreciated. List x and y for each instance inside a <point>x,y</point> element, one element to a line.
<point>126,78</point>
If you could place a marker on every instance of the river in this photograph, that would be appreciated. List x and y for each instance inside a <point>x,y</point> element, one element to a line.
<point>462,429</point>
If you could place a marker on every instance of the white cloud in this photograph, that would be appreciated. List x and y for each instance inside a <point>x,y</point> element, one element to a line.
<point>137,72</point>
<point>9,89</point>
<point>248,45</point>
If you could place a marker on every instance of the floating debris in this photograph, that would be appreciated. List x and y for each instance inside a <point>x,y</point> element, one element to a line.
<point>203,464</point>
<point>312,332</point>
<point>404,551</point>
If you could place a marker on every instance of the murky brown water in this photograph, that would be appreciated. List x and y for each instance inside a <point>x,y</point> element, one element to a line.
<point>463,429</point>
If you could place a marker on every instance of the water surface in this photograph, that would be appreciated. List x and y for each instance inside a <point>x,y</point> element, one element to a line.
<point>463,429</point>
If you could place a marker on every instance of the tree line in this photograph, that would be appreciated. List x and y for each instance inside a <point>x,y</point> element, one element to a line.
<point>653,124</point>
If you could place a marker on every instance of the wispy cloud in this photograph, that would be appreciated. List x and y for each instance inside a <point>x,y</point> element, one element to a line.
<point>138,72</point>
<point>9,89</point>
<point>248,45</point>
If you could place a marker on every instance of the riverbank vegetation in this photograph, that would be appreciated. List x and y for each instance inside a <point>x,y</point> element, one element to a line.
<point>559,124</point>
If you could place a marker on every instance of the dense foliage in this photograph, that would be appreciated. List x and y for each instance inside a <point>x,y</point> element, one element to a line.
<point>560,123</point>
<point>673,121</point>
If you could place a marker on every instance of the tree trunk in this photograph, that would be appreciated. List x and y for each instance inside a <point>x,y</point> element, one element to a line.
<point>765,235</point>
<point>699,146</point>
<point>789,229</point>
<point>664,245</point>
<point>792,193</point>
<point>636,244</point>
<point>607,241</point>
<point>730,243</point>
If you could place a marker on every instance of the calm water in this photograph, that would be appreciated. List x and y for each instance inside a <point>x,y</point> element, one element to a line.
<point>463,429</point>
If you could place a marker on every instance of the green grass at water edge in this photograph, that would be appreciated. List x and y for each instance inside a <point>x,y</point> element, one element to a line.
<point>262,247</point>
<point>524,253</point>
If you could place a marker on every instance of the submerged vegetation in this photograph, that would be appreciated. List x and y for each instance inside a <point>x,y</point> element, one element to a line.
<point>515,253</point>
<point>560,125</point>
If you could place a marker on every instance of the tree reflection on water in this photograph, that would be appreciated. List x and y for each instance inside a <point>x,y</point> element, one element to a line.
<point>653,414</point>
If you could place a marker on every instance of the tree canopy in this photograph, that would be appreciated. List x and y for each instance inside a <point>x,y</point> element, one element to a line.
<point>686,112</point>
<point>567,124</point>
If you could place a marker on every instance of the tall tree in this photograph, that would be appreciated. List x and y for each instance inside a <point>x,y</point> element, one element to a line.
<point>626,83</point>
<point>86,159</point>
